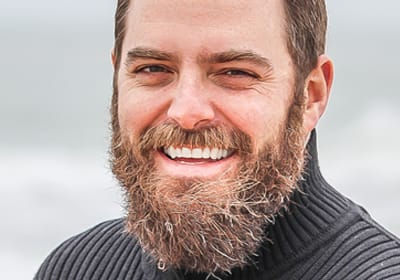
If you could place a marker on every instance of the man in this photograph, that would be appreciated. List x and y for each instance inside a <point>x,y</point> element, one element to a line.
<point>213,114</point>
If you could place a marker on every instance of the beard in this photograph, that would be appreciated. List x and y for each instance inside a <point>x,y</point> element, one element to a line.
<point>214,224</point>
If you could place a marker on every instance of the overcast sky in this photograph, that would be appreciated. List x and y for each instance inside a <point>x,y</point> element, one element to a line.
<point>76,11</point>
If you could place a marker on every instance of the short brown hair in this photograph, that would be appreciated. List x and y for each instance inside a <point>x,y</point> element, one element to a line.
<point>306,33</point>
<point>306,23</point>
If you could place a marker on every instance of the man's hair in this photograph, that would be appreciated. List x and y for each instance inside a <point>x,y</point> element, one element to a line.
<point>306,23</point>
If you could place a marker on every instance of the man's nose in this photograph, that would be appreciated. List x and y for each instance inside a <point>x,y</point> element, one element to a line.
<point>191,106</point>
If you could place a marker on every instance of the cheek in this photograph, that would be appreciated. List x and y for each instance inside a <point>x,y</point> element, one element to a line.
<point>128,112</point>
<point>139,109</point>
<point>265,123</point>
<point>259,116</point>
<point>129,115</point>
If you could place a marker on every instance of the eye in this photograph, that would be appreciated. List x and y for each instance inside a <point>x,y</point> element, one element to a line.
<point>235,78</point>
<point>239,73</point>
<point>152,75</point>
<point>152,69</point>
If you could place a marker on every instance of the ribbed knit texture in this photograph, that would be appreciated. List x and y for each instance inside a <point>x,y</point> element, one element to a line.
<point>322,236</point>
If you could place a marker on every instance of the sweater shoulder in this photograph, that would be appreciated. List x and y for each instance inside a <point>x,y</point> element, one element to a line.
<point>362,249</point>
<point>104,251</point>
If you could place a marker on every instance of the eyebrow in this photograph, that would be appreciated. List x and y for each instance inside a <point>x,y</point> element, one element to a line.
<point>148,53</point>
<point>236,55</point>
<point>209,58</point>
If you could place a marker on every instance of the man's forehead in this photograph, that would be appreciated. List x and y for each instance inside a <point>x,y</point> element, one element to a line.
<point>194,11</point>
<point>256,25</point>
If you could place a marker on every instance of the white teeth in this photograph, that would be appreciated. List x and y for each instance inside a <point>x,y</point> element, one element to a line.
<point>214,153</point>
<point>219,154</point>
<point>171,152</point>
<point>196,153</point>
<point>186,153</point>
<point>206,153</point>
<point>178,152</point>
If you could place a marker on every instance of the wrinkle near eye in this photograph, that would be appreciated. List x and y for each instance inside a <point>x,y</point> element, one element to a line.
<point>237,79</point>
<point>261,89</point>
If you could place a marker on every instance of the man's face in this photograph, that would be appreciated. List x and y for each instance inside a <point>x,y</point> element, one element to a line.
<point>226,64</point>
<point>204,94</point>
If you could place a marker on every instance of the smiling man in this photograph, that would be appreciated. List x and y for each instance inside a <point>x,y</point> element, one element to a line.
<point>214,111</point>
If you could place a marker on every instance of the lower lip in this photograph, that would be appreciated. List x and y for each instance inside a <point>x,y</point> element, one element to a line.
<point>193,167</point>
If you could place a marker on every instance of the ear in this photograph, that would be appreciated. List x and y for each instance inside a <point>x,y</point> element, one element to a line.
<point>113,57</point>
<point>317,89</point>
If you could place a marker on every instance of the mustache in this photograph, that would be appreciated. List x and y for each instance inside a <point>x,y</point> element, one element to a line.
<point>172,134</point>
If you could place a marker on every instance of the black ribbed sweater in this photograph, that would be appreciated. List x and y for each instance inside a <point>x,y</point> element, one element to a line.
<point>322,236</point>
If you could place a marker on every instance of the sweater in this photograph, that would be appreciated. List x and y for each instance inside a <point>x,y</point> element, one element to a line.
<point>323,235</point>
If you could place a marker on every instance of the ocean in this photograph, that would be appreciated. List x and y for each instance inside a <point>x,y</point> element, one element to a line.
<point>55,89</point>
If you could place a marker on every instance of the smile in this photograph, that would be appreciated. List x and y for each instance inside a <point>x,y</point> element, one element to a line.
<point>205,162</point>
<point>197,153</point>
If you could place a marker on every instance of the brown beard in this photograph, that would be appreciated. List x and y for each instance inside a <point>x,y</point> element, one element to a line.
<point>207,225</point>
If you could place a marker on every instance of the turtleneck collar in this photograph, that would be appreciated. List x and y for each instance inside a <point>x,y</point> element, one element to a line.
<point>315,211</point>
